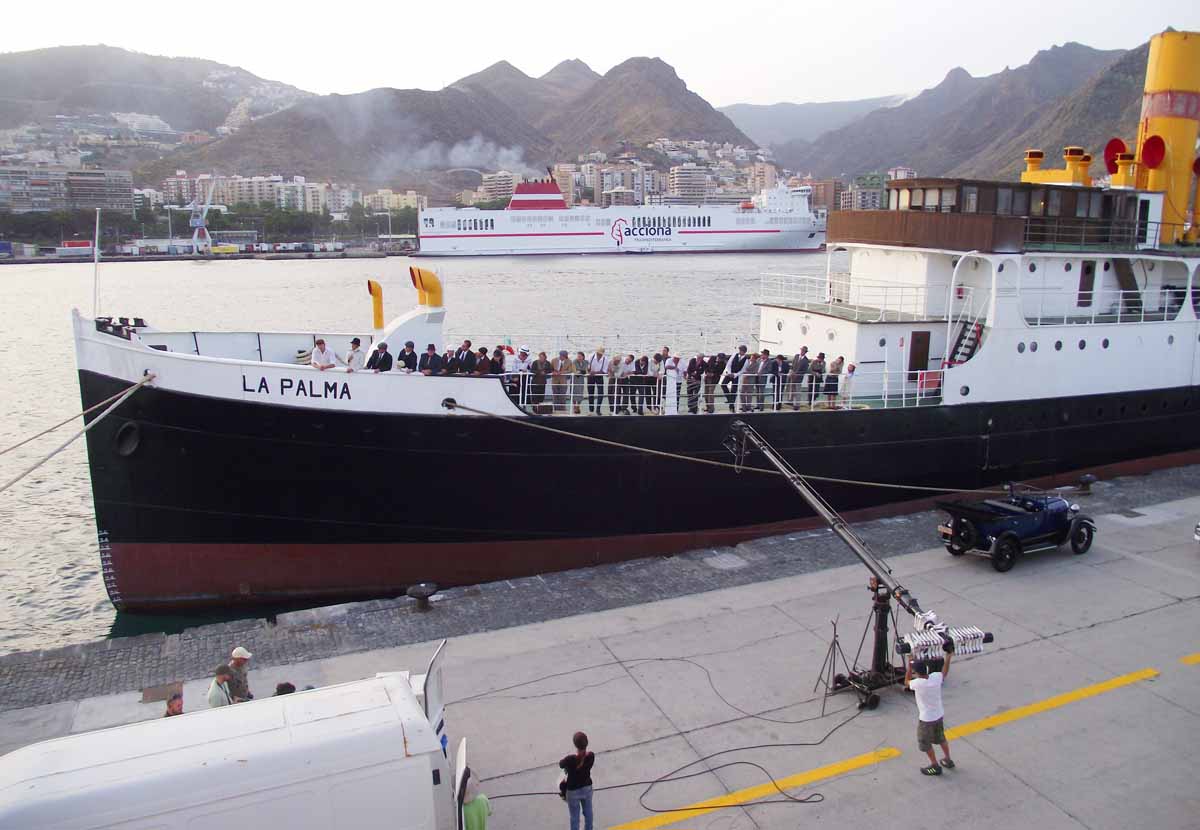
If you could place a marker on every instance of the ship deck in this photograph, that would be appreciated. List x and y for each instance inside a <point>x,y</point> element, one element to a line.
<point>1083,714</point>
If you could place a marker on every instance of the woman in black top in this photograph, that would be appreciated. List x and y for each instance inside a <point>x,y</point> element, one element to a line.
<point>577,789</point>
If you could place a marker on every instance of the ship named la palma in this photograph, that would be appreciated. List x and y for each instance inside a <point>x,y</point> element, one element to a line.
<point>1002,331</point>
<point>538,221</point>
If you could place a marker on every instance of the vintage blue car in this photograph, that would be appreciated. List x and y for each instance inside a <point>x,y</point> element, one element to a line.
<point>1005,528</point>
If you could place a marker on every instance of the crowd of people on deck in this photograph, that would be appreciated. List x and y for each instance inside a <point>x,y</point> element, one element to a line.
<point>661,383</point>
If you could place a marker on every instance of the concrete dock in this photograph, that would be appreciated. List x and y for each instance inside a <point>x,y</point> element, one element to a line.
<point>1084,713</point>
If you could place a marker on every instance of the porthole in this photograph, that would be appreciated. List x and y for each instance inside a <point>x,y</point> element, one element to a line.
<point>1107,265</point>
<point>1067,267</point>
<point>779,325</point>
<point>1104,343</point>
<point>1033,346</point>
<point>964,390</point>
<point>1058,345</point>
<point>1032,267</point>
<point>804,329</point>
<point>831,334</point>
<point>1082,345</point>
<point>882,342</point>
<point>999,267</point>
<point>1020,348</point>
<point>1170,340</point>
<point>127,439</point>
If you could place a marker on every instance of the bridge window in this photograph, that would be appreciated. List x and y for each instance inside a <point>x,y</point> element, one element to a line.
<point>1004,198</point>
<point>1054,207</point>
<point>970,200</point>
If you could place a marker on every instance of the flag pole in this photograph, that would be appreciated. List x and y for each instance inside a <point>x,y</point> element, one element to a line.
<point>96,268</point>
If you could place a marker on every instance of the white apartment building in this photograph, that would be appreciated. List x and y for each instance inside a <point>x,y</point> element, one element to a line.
<point>302,195</point>
<point>763,176</point>
<point>385,200</point>
<point>341,198</point>
<point>895,173</point>
<point>688,182</point>
<point>498,185</point>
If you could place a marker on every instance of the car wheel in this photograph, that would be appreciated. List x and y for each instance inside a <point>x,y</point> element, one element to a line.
<point>954,549</point>
<point>963,535</point>
<point>1004,556</point>
<point>1081,538</point>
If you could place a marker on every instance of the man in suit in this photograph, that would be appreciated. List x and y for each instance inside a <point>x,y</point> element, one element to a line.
<point>714,368</point>
<point>407,358</point>
<point>431,361</point>
<point>466,358</point>
<point>797,377</point>
<point>733,375</point>
<point>695,376</point>
<point>380,360</point>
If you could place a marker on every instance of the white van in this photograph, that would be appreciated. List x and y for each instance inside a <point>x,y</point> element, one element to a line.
<point>362,755</point>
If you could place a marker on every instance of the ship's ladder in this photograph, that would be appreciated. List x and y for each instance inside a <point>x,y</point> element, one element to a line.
<point>967,342</point>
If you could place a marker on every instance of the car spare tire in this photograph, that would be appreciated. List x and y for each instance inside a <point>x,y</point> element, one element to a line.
<point>963,536</point>
<point>1005,554</point>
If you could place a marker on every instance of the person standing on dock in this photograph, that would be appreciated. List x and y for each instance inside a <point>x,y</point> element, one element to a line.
<point>577,788</point>
<point>174,705</point>
<point>927,688</point>
<point>239,684</point>
<point>476,807</point>
<point>355,357</point>
<point>323,358</point>
<point>218,690</point>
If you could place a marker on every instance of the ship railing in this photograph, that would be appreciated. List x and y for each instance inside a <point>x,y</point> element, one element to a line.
<point>1066,306</point>
<point>1078,233</point>
<point>647,395</point>
<point>839,295</point>
<point>680,341</point>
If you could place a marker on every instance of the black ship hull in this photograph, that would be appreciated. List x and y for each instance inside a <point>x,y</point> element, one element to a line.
<point>202,500</point>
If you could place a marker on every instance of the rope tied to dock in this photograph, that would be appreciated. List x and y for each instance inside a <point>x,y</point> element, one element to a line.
<point>112,403</point>
<point>451,404</point>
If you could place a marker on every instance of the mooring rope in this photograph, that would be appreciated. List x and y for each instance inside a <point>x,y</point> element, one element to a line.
<point>737,468</point>
<point>66,421</point>
<point>120,399</point>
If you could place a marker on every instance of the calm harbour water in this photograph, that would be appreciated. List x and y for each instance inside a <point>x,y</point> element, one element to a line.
<point>51,593</point>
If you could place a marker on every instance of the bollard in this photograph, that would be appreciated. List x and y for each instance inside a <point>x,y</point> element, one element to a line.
<point>421,592</point>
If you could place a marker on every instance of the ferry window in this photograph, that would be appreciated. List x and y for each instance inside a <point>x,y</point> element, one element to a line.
<point>1081,205</point>
<point>949,199</point>
<point>1087,284</point>
<point>905,195</point>
<point>1054,206</point>
<point>917,200</point>
<point>931,199</point>
<point>1037,202</point>
<point>1004,197</point>
<point>1020,206</point>
<point>970,200</point>
<point>893,198</point>
<point>1097,208</point>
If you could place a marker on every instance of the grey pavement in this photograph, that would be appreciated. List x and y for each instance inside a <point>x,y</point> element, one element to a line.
<point>667,683</point>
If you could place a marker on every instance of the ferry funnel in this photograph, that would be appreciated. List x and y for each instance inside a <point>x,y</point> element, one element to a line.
<point>376,292</point>
<point>1169,125</point>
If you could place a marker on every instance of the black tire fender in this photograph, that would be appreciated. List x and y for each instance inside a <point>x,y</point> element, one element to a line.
<point>964,534</point>
<point>1076,523</point>
<point>1007,542</point>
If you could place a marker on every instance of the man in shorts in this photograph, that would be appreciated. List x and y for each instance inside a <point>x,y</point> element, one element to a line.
<point>927,687</point>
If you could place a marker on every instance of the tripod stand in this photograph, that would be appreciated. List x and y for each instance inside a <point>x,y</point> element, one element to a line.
<point>881,672</point>
<point>830,677</point>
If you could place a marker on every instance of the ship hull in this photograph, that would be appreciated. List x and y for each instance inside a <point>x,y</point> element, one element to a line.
<point>211,501</point>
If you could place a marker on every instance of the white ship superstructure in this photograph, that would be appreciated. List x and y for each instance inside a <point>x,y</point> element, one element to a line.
<point>538,221</point>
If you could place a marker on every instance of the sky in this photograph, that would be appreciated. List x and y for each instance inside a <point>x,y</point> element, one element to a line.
<point>728,52</point>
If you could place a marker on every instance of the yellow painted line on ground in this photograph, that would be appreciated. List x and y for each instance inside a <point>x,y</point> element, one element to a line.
<point>739,797</point>
<point>1191,659</point>
<point>750,794</point>
<point>1082,693</point>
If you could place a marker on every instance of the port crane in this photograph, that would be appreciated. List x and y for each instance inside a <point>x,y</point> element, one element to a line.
<point>201,240</point>
<point>931,637</point>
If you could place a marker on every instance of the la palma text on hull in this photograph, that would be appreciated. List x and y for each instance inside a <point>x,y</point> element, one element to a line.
<point>1026,330</point>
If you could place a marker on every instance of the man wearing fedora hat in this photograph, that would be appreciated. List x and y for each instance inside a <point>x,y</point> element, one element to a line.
<point>355,357</point>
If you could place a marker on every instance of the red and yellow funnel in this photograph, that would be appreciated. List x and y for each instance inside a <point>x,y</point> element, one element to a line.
<point>1169,124</point>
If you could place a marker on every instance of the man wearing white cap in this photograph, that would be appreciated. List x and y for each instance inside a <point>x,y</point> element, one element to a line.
<point>239,685</point>
<point>523,365</point>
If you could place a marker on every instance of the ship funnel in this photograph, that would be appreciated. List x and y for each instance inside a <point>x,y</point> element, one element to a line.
<point>1169,125</point>
<point>1033,160</point>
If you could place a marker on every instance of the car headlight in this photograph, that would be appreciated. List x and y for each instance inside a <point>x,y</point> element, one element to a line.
<point>1074,508</point>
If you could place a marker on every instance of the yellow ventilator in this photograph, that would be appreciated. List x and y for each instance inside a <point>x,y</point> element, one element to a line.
<point>376,292</point>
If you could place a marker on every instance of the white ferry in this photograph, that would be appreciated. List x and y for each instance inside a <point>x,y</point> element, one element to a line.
<point>538,221</point>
